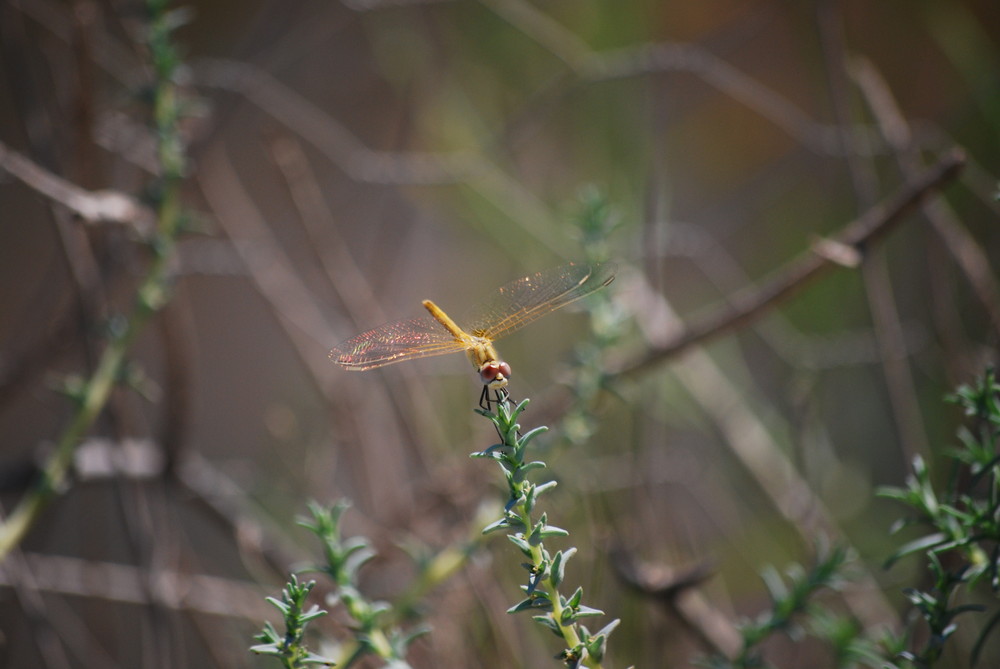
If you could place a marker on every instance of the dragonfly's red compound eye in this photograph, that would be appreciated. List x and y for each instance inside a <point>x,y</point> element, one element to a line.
<point>509,309</point>
<point>488,373</point>
<point>494,371</point>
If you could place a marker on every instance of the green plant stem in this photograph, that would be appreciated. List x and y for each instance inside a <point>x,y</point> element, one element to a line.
<point>152,295</point>
<point>561,614</point>
<point>53,476</point>
<point>442,567</point>
<point>538,561</point>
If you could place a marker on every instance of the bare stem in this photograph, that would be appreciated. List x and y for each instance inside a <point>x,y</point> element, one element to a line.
<point>151,296</point>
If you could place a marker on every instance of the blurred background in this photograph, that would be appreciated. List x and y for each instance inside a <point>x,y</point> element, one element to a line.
<point>349,159</point>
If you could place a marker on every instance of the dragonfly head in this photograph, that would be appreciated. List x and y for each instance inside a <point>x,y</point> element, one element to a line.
<point>495,374</point>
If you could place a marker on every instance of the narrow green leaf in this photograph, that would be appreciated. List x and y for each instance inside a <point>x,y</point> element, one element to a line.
<point>531,434</point>
<point>567,616</point>
<point>313,658</point>
<point>414,634</point>
<point>312,614</point>
<point>518,541</point>
<point>596,646</point>
<point>557,569</point>
<point>588,612</point>
<point>492,453</point>
<point>547,621</point>
<point>893,492</point>
<point>610,627</point>
<point>496,525</point>
<point>267,649</point>
<point>530,603</point>
<point>278,604</point>
<point>776,587</point>
<point>915,546</point>
<point>544,487</point>
<point>529,499</point>
<point>553,531</point>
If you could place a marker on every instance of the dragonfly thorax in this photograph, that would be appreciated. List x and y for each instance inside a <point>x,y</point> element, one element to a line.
<point>510,308</point>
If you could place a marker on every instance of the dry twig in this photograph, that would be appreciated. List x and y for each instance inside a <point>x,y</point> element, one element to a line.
<point>753,303</point>
<point>108,206</point>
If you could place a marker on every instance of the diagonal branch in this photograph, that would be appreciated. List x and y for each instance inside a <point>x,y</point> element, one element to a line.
<point>749,305</point>
<point>92,206</point>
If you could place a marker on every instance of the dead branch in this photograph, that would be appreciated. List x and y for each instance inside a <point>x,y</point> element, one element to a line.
<point>124,583</point>
<point>107,206</point>
<point>675,590</point>
<point>751,304</point>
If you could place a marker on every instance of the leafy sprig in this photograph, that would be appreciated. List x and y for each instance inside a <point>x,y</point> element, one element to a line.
<point>961,541</point>
<point>961,544</point>
<point>795,613</point>
<point>290,647</point>
<point>91,395</point>
<point>559,613</point>
<point>375,632</point>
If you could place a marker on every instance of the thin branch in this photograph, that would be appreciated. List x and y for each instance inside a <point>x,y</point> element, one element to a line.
<point>45,632</point>
<point>295,306</point>
<point>968,255</point>
<point>343,273</point>
<point>562,43</point>
<point>899,384</point>
<point>92,206</point>
<point>365,165</point>
<point>676,591</point>
<point>331,250</point>
<point>804,350</point>
<point>153,292</point>
<point>337,143</point>
<point>372,5</point>
<point>271,270</point>
<point>593,66</point>
<point>91,402</point>
<point>225,502</point>
<point>754,443</point>
<point>750,305</point>
<point>126,583</point>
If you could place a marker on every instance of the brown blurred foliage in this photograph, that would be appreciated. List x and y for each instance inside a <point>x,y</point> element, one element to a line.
<point>350,159</point>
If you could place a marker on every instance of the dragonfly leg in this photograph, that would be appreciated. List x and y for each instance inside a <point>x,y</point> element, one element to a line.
<point>502,396</point>
<point>488,399</point>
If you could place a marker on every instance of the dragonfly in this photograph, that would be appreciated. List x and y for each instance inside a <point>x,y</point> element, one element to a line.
<point>507,310</point>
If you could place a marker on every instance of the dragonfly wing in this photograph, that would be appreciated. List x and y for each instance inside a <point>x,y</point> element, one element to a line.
<point>394,342</point>
<point>522,301</point>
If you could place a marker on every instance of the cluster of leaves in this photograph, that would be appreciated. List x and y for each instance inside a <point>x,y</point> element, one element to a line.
<point>374,632</point>
<point>795,612</point>
<point>90,395</point>
<point>962,543</point>
<point>546,571</point>
<point>595,222</point>
<point>167,62</point>
<point>290,647</point>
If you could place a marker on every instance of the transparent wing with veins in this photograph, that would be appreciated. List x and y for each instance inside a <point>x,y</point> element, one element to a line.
<point>510,308</point>
<point>395,342</point>
<point>527,299</point>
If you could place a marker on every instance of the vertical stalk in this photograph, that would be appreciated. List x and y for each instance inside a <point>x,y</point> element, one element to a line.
<point>560,614</point>
<point>151,295</point>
